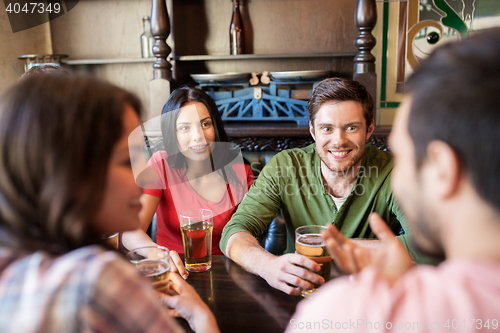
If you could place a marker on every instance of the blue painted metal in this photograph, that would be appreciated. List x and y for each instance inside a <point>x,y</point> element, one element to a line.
<point>273,104</point>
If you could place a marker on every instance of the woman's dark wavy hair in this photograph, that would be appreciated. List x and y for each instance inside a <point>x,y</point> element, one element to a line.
<point>57,133</point>
<point>221,155</point>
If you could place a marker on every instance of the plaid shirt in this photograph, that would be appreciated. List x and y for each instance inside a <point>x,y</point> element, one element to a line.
<point>86,290</point>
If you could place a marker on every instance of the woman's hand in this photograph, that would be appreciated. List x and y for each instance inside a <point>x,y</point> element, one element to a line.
<point>188,304</point>
<point>176,265</point>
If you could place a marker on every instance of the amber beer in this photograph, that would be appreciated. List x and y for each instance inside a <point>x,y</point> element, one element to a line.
<point>196,228</point>
<point>152,262</point>
<point>310,243</point>
<point>157,271</point>
<point>197,243</point>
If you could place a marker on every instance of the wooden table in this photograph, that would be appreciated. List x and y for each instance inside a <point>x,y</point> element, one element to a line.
<point>240,301</point>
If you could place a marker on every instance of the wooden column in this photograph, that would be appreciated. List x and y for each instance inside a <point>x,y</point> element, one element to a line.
<point>364,62</point>
<point>160,28</point>
<point>160,85</point>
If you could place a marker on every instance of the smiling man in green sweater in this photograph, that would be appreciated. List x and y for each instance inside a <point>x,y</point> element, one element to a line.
<point>338,180</point>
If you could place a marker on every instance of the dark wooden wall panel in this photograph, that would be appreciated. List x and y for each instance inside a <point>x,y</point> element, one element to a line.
<point>271,26</point>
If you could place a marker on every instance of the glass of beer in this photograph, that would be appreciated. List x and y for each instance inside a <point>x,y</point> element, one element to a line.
<point>310,243</point>
<point>196,228</point>
<point>154,263</point>
<point>114,240</point>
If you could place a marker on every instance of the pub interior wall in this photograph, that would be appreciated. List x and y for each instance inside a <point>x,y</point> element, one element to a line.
<point>111,29</point>
<point>34,40</point>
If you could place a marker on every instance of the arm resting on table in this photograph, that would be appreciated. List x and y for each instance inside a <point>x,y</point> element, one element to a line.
<point>245,250</point>
<point>289,273</point>
<point>137,238</point>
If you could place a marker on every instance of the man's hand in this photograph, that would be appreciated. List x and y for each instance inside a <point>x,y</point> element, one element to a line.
<point>392,260</point>
<point>188,304</point>
<point>291,273</point>
<point>176,265</point>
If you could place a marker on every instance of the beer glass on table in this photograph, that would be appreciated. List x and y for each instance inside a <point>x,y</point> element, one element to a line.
<point>196,228</point>
<point>154,263</point>
<point>310,243</point>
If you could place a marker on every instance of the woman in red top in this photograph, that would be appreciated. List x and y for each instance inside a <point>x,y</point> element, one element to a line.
<point>199,168</point>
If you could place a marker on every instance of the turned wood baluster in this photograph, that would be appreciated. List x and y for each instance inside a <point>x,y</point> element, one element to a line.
<point>364,62</point>
<point>366,18</point>
<point>160,28</point>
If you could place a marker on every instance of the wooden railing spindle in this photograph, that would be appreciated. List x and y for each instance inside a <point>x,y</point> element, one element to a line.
<point>364,62</point>
<point>160,28</point>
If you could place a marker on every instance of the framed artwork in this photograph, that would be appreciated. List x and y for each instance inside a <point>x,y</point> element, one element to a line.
<point>412,29</point>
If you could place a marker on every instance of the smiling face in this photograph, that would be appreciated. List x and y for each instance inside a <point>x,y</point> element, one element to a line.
<point>195,131</point>
<point>120,207</point>
<point>340,134</point>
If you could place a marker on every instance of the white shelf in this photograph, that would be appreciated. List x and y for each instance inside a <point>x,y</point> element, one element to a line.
<point>262,56</point>
<point>75,62</point>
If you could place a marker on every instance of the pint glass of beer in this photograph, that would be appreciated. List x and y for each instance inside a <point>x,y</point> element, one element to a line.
<point>196,228</point>
<point>310,243</point>
<point>154,263</point>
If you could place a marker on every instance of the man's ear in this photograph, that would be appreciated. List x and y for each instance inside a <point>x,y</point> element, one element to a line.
<point>370,129</point>
<point>445,168</point>
<point>311,130</point>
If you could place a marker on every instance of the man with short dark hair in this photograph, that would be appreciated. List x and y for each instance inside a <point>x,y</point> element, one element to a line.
<point>446,178</point>
<point>337,179</point>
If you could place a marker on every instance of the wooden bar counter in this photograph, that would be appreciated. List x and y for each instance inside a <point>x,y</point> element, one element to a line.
<point>240,301</point>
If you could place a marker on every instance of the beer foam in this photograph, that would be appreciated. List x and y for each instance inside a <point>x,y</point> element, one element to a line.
<point>312,240</point>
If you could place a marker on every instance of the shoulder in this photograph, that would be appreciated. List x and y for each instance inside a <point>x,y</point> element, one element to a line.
<point>61,288</point>
<point>288,163</point>
<point>73,262</point>
<point>81,268</point>
<point>90,263</point>
<point>451,290</point>
<point>454,289</point>
<point>242,171</point>
<point>304,152</point>
<point>248,169</point>
<point>115,289</point>
<point>377,166</point>
<point>105,266</point>
<point>377,157</point>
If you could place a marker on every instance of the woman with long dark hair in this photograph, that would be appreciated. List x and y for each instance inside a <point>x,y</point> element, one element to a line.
<point>197,169</point>
<point>66,182</point>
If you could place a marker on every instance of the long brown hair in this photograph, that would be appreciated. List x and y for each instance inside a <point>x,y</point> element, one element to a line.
<point>57,133</point>
<point>222,156</point>
<point>171,110</point>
